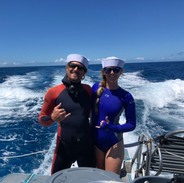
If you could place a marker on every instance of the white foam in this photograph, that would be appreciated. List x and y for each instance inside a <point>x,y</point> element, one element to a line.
<point>15,97</point>
<point>8,138</point>
<point>45,166</point>
<point>161,94</point>
<point>88,80</point>
<point>131,80</point>
<point>58,79</point>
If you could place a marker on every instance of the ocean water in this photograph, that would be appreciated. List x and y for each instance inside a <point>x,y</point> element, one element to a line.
<point>27,147</point>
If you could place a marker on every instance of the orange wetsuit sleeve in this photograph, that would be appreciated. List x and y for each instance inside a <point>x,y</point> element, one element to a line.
<point>47,108</point>
<point>49,104</point>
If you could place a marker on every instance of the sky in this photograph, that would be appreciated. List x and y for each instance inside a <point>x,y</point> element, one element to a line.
<point>44,32</point>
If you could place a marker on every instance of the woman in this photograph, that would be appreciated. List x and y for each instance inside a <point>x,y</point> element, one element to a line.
<point>109,101</point>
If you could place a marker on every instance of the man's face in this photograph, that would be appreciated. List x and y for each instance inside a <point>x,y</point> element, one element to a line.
<point>75,71</point>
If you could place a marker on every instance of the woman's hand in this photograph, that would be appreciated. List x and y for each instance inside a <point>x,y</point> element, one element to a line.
<point>104,123</point>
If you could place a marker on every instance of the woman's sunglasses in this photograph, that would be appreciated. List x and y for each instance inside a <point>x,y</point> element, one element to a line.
<point>79,67</point>
<point>115,70</point>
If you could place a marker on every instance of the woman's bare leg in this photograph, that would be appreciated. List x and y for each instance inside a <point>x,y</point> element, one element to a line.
<point>100,158</point>
<point>114,158</point>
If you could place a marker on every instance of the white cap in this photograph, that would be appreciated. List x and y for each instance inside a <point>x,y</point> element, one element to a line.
<point>112,62</point>
<point>77,58</point>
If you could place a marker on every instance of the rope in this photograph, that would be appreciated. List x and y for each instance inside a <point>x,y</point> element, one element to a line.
<point>127,159</point>
<point>30,178</point>
<point>23,155</point>
<point>173,154</point>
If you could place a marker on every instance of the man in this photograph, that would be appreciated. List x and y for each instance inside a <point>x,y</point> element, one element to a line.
<point>69,105</point>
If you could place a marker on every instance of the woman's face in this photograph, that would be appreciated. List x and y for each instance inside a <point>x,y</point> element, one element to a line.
<point>112,73</point>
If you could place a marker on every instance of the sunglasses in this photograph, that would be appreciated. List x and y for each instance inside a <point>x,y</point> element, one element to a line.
<point>79,67</point>
<point>115,70</point>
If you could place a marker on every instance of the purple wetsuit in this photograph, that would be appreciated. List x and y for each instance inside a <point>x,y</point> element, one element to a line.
<point>111,104</point>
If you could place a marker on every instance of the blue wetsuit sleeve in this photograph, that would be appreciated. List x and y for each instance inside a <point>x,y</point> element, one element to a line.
<point>121,128</point>
<point>130,115</point>
<point>114,128</point>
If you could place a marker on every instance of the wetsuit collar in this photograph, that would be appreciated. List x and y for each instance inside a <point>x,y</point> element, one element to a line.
<point>74,89</point>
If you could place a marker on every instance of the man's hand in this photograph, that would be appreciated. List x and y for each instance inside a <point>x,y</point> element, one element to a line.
<point>59,114</point>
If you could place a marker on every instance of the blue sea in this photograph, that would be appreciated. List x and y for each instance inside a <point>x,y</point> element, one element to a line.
<point>27,147</point>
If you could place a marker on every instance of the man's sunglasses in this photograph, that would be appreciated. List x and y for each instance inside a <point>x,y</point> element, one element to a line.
<point>79,67</point>
<point>115,70</point>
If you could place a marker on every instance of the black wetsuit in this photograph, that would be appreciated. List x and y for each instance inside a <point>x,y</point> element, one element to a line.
<point>74,136</point>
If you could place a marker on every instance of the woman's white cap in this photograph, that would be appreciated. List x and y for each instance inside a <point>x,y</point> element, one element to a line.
<point>77,58</point>
<point>112,61</point>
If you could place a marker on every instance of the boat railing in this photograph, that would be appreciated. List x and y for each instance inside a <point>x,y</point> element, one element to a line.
<point>164,153</point>
<point>143,139</point>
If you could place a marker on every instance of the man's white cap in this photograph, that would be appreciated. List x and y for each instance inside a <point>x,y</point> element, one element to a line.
<point>112,61</point>
<point>78,58</point>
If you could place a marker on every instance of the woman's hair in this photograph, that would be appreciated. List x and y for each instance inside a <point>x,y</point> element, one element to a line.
<point>100,91</point>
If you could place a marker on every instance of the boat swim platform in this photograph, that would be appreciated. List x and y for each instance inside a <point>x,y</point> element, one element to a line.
<point>74,174</point>
<point>70,175</point>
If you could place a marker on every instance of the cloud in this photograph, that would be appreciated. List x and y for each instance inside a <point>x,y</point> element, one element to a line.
<point>162,58</point>
<point>139,58</point>
<point>32,62</point>
<point>3,63</point>
<point>180,53</point>
<point>16,63</point>
<point>59,60</point>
